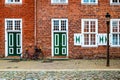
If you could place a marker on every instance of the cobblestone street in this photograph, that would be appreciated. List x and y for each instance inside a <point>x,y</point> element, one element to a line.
<point>60,75</point>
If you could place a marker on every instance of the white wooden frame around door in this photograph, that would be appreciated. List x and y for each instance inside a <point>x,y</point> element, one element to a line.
<point>52,32</point>
<point>6,34</point>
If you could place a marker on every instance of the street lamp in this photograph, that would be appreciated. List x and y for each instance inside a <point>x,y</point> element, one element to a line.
<point>108,23</point>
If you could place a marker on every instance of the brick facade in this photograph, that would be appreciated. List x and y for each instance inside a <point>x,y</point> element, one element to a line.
<point>74,11</point>
<point>25,11</point>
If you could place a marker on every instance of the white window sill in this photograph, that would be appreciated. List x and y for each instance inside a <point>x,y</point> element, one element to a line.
<point>59,3</point>
<point>114,45</point>
<point>89,46</point>
<point>89,3</point>
<point>114,3</point>
<point>15,3</point>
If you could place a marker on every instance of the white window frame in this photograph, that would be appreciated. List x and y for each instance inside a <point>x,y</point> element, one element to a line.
<point>59,2</point>
<point>96,24</point>
<point>6,1</point>
<point>90,3</point>
<point>60,25</point>
<point>112,3</point>
<point>13,23</point>
<point>111,32</point>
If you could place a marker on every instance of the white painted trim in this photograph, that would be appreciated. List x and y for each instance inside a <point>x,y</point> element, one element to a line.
<point>102,35</point>
<point>6,2</point>
<point>56,49</point>
<point>17,50</point>
<point>6,48</point>
<point>63,49</point>
<point>57,35</point>
<point>77,35</point>
<point>17,39</point>
<point>96,23</point>
<point>52,32</point>
<point>65,39</point>
<point>112,3</point>
<point>12,50</point>
<point>6,34</point>
<point>10,40</point>
<point>111,32</point>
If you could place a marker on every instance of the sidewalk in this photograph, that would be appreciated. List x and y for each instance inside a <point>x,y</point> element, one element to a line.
<point>78,64</point>
<point>60,70</point>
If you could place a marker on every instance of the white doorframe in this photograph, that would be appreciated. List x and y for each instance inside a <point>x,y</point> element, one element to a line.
<point>6,35</point>
<point>52,37</point>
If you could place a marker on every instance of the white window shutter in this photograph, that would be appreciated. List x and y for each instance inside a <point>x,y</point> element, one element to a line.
<point>110,39</point>
<point>102,39</point>
<point>77,39</point>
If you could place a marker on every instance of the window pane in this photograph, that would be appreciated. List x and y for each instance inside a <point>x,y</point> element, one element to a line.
<point>17,0</point>
<point>115,39</point>
<point>56,1</point>
<point>56,24</point>
<point>10,0</point>
<point>62,1</point>
<point>63,24</point>
<point>92,0</point>
<point>86,0</point>
<point>92,39</point>
<point>119,26</point>
<point>86,26</point>
<point>119,39</point>
<point>86,39</point>
<point>9,25</point>
<point>115,26</point>
<point>92,26</point>
<point>115,1</point>
<point>17,24</point>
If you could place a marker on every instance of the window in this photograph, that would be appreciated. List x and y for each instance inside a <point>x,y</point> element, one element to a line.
<point>115,32</point>
<point>59,1</point>
<point>89,32</point>
<point>115,2</point>
<point>13,1</point>
<point>59,24</point>
<point>89,1</point>
<point>13,24</point>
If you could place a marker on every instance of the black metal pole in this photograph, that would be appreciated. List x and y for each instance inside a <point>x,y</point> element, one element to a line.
<point>108,58</point>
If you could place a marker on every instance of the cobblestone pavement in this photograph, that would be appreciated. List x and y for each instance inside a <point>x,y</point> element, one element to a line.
<point>60,75</point>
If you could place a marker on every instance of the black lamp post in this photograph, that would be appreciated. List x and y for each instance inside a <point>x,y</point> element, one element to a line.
<point>108,23</point>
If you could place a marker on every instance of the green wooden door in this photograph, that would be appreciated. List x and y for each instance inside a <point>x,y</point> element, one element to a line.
<point>60,44</point>
<point>14,43</point>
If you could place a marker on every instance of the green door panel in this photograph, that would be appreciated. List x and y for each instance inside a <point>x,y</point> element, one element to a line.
<point>60,44</point>
<point>14,43</point>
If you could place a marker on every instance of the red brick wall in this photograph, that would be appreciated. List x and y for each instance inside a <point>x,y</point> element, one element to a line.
<point>74,11</point>
<point>24,11</point>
